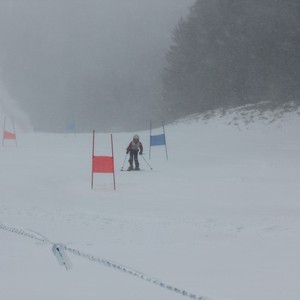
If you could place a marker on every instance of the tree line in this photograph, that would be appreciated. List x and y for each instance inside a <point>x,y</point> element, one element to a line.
<point>228,53</point>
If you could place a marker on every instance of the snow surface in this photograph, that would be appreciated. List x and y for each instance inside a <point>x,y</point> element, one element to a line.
<point>219,219</point>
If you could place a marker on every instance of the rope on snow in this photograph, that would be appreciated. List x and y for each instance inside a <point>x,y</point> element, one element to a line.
<point>59,252</point>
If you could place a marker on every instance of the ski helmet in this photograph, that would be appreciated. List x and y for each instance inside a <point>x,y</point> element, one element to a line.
<point>136,137</point>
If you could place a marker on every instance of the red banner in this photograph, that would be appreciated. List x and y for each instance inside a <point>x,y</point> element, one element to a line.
<point>103,164</point>
<point>9,136</point>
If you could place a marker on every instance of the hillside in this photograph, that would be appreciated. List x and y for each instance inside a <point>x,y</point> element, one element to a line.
<point>219,219</point>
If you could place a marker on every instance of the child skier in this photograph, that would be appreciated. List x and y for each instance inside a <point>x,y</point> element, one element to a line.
<point>134,147</point>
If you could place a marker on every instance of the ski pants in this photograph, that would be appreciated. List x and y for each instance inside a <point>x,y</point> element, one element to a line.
<point>133,155</point>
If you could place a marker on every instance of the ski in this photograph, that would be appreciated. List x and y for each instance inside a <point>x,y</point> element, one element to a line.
<point>125,170</point>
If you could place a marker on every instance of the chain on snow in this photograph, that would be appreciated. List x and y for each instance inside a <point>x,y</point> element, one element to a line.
<point>34,236</point>
<point>117,266</point>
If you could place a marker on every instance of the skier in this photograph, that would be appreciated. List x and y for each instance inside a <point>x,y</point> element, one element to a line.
<point>134,147</point>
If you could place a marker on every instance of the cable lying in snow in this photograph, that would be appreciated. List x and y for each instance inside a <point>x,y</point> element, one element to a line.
<point>60,249</point>
<point>134,273</point>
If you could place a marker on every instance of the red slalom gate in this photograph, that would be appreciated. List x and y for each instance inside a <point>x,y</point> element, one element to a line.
<point>103,164</point>
<point>8,135</point>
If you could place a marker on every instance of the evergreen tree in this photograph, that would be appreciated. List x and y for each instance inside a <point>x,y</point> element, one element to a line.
<point>233,52</point>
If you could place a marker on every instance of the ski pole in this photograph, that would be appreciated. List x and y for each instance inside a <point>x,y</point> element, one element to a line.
<point>146,161</point>
<point>124,162</point>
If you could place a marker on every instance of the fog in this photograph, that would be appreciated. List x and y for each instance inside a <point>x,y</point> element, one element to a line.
<point>94,63</point>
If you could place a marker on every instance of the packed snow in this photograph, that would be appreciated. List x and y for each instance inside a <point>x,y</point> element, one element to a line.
<point>219,219</point>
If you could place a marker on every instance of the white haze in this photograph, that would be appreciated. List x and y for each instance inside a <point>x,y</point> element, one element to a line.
<point>97,62</point>
<point>10,110</point>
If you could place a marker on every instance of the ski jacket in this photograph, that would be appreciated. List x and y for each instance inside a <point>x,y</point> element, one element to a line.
<point>135,147</point>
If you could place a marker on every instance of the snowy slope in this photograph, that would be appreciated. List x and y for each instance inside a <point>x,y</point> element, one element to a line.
<point>219,219</point>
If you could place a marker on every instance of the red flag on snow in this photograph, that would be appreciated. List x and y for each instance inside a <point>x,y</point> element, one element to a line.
<point>9,135</point>
<point>103,164</point>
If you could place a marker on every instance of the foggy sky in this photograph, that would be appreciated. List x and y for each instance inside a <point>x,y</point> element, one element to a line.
<point>96,63</point>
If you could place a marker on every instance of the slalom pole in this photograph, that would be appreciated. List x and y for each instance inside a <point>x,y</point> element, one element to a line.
<point>163,126</point>
<point>112,153</point>
<point>13,123</point>
<point>146,161</point>
<point>122,169</point>
<point>93,154</point>
<point>150,140</point>
<point>3,130</point>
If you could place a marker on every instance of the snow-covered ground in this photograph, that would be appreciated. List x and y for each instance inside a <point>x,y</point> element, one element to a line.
<point>220,218</point>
